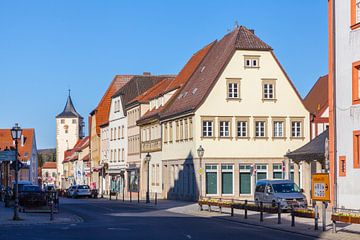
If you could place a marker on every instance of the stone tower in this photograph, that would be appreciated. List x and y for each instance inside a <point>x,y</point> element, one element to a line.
<point>69,129</point>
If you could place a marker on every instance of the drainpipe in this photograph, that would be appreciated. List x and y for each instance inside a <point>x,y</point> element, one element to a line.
<point>334,100</point>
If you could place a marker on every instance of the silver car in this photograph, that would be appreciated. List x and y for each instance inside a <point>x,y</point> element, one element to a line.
<point>81,191</point>
<point>285,192</point>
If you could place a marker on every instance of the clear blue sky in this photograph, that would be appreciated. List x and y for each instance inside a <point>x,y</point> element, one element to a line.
<point>48,46</point>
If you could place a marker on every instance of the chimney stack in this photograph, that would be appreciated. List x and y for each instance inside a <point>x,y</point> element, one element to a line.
<point>252,31</point>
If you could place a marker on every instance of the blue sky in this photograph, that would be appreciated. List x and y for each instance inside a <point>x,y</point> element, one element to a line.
<point>47,47</point>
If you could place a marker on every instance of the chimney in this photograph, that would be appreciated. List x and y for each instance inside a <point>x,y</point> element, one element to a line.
<point>252,31</point>
<point>147,73</point>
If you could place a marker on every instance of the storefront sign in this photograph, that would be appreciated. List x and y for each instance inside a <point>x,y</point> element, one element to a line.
<point>7,156</point>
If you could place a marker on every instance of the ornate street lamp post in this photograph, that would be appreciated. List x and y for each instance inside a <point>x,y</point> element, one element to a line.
<point>16,132</point>
<point>147,160</point>
<point>200,152</point>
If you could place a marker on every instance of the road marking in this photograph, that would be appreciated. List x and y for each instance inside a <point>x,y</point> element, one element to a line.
<point>120,229</point>
<point>188,236</point>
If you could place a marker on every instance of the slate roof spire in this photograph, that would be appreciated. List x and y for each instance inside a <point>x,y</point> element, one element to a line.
<point>69,110</point>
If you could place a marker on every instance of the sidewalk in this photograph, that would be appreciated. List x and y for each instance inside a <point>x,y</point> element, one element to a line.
<point>6,215</point>
<point>303,226</point>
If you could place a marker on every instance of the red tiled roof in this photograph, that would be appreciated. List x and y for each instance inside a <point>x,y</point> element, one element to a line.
<point>196,90</point>
<point>316,101</point>
<point>71,154</point>
<point>103,108</point>
<point>25,150</point>
<point>177,83</point>
<point>49,165</point>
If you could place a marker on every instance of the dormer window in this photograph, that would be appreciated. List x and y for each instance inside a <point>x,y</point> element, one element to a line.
<point>251,62</point>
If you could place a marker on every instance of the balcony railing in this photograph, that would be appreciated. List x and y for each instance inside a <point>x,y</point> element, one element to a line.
<point>151,146</point>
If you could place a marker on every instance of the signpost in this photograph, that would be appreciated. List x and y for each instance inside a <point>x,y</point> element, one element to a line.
<point>7,156</point>
<point>320,191</point>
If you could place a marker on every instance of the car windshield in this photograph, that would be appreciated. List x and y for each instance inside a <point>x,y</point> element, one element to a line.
<point>83,187</point>
<point>285,188</point>
<point>30,188</point>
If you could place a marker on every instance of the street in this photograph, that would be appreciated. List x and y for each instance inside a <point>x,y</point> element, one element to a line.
<point>104,219</point>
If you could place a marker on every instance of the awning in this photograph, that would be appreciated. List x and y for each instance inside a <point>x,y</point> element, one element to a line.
<point>314,150</point>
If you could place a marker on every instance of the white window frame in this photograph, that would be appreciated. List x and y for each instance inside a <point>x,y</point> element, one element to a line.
<point>251,61</point>
<point>214,169</point>
<point>258,128</point>
<point>205,128</point>
<point>233,178</point>
<point>260,169</point>
<point>224,129</point>
<point>278,127</point>
<point>278,170</point>
<point>233,90</point>
<point>240,125</point>
<point>296,129</point>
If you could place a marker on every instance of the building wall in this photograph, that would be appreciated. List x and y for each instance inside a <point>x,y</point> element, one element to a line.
<point>287,106</point>
<point>67,134</point>
<point>94,153</point>
<point>347,51</point>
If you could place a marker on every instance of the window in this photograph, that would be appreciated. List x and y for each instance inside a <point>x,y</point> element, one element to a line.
<point>165,133</point>
<point>260,128</point>
<point>211,179</point>
<point>268,91</point>
<point>227,179</point>
<point>261,172</point>
<point>356,82</point>
<point>115,155</point>
<point>170,132</point>
<point>224,129</point>
<point>190,128</point>
<point>111,156</point>
<point>277,171</point>
<point>186,135</point>
<point>233,88</point>
<point>251,62</point>
<point>122,131</point>
<point>342,166</point>
<point>355,14</point>
<point>181,130</point>
<point>278,129</point>
<point>62,121</point>
<point>177,131</point>
<point>111,134</point>
<point>245,179</point>
<point>207,128</point>
<point>119,155</point>
<point>296,129</point>
<point>242,128</point>
<point>356,146</point>
<point>74,121</point>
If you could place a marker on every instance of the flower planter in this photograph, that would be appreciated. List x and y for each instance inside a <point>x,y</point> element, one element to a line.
<point>340,218</point>
<point>304,214</point>
<point>355,220</point>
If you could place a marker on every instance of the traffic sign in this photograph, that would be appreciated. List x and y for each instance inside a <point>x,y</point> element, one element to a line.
<point>7,156</point>
<point>320,187</point>
<point>200,170</point>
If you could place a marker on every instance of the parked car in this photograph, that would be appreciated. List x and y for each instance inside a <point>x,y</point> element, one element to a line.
<point>31,195</point>
<point>81,191</point>
<point>70,191</point>
<point>49,188</point>
<point>285,192</point>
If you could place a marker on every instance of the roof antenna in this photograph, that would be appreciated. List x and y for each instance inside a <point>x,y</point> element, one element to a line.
<point>236,24</point>
<point>69,91</point>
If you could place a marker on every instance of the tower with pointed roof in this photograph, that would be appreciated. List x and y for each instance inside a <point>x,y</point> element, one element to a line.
<point>69,129</point>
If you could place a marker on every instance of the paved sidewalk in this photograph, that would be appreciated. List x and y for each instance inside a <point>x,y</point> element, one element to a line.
<point>304,226</point>
<point>6,215</point>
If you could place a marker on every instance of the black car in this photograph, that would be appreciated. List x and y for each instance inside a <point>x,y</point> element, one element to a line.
<point>32,196</point>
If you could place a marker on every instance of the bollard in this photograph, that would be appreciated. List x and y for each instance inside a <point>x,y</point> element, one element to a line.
<point>110,195</point>
<point>123,193</point>
<point>232,210</point>
<point>279,213</point>
<point>292,216</point>
<point>261,212</point>
<point>155,198</point>
<point>245,208</point>
<point>209,208</point>
<point>324,206</point>
<point>116,196</point>
<point>130,196</point>
<point>220,210</point>
<point>334,222</point>
<point>316,218</point>
<point>138,197</point>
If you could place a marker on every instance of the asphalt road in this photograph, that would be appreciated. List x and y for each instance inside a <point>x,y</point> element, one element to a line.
<point>104,219</point>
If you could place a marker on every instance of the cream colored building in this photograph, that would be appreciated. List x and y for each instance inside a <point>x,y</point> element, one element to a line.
<point>69,129</point>
<point>242,108</point>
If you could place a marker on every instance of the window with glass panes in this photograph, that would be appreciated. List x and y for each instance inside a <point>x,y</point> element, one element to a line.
<point>278,129</point>
<point>245,179</point>
<point>277,171</point>
<point>207,128</point>
<point>261,172</point>
<point>227,179</point>
<point>296,129</point>
<point>292,177</point>
<point>224,128</point>
<point>242,129</point>
<point>211,179</point>
<point>268,91</point>
<point>260,129</point>
<point>233,90</point>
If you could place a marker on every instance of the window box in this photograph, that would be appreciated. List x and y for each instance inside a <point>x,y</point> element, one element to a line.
<point>346,218</point>
<point>304,213</point>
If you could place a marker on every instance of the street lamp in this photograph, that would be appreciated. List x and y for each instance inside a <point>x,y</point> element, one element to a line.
<point>147,160</point>
<point>200,152</point>
<point>16,132</point>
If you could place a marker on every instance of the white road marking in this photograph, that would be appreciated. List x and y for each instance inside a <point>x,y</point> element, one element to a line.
<point>120,229</point>
<point>188,236</point>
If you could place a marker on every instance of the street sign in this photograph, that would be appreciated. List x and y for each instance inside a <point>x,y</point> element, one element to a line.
<point>6,156</point>
<point>200,170</point>
<point>320,187</point>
